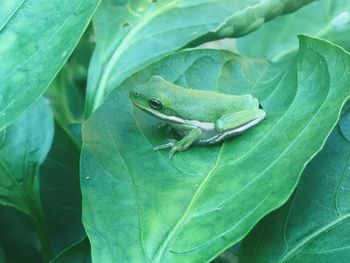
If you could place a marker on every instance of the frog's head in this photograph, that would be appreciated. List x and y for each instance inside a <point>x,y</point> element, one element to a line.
<point>153,97</point>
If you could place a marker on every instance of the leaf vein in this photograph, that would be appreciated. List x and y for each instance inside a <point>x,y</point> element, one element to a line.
<point>132,180</point>
<point>12,15</point>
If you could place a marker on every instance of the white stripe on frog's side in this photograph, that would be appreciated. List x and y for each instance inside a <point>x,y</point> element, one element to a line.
<point>200,124</point>
<point>221,136</point>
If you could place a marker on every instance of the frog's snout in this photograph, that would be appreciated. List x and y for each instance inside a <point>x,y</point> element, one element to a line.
<point>133,94</point>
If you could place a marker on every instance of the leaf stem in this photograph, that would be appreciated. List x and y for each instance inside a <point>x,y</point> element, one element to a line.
<point>30,192</point>
<point>40,226</point>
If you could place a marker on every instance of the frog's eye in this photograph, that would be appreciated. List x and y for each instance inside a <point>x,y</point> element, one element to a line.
<point>155,104</point>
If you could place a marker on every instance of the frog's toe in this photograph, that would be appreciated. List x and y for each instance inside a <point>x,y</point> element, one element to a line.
<point>171,140</point>
<point>172,152</point>
<point>169,144</point>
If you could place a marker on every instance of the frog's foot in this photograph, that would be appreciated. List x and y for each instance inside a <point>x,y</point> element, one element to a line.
<point>169,143</point>
<point>174,149</point>
<point>181,145</point>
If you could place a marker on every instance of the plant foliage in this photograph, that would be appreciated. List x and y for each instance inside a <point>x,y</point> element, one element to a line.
<point>79,181</point>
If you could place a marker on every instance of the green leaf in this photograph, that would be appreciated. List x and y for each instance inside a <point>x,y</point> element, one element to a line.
<point>61,202</point>
<point>2,255</point>
<point>67,102</point>
<point>66,93</point>
<point>78,253</point>
<point>328,19</point>
<point>139,205</point>
<point>144,31</point>
<point>36,38</point>
<point>23,147</point>
<point>229,256</point>
<point>60,192</point>
<point>314,225</point>
<point>19,234</point>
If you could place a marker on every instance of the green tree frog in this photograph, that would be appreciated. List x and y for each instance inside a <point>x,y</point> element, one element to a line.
<point>198,116</point>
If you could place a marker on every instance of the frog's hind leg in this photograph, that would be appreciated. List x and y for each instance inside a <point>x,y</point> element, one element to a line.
<point>239,121</point>
<point>181,145</point>
<point>191,136</point>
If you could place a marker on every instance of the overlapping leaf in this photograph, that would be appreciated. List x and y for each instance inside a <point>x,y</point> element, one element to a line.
<point>327,19</point>
<point>60,198</point>
<point>36,38</point>
<point>314,225</point>
<point>19,234</point>
<point>66,92</point>
<point>139,205</point>
<point>2,255</point>
<point>132,34</point>
<point>78,253</point>
<point>24,146</point>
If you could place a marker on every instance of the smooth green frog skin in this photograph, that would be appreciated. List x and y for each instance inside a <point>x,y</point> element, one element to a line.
<point>198,116</point>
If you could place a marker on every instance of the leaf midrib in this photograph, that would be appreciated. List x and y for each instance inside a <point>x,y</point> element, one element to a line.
<point>12,15</point>
<point>168,239</point>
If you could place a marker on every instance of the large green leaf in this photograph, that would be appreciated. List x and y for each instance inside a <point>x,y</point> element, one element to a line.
<point>314,225</point>
<point>139,205</point>
<point>36,38</point>
<point>132,34</point>
<point>328,19</point>
<point>78,253</point>
<point>23,147</point>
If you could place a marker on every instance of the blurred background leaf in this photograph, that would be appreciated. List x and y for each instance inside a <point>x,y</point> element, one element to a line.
<point>78,253</point>
<point>24,146</point>
<point>59,192</point>
<point>67,92</point>
<point>2,254</point>
<point>36,39</point>
<point>229,256</point>
<point>19,237</point>
<point>327,19</point>
<point>314,225</point>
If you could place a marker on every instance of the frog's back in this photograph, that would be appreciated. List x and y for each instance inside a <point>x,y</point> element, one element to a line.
<point>208,106</point>
<point>194,104</point>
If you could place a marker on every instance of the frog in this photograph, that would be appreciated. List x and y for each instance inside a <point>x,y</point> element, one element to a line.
<point>198,116</point>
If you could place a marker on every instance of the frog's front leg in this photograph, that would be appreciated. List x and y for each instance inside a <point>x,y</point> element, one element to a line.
<point>239,121</point>
<point>191,136</point>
